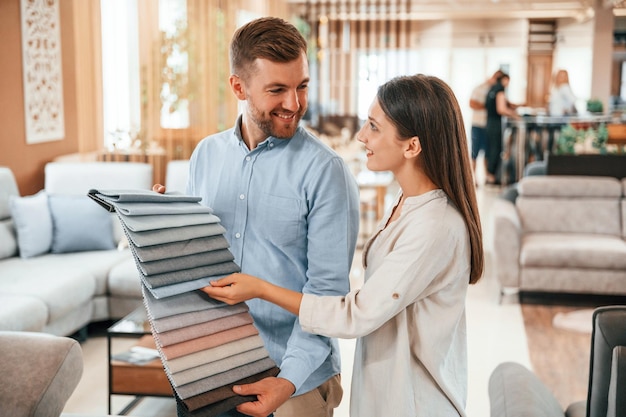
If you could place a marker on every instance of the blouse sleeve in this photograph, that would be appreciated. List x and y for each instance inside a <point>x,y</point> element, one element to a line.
<point>421,262</point>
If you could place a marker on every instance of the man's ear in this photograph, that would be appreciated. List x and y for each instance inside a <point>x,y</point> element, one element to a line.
<point>412,148</point>
<point>236,84</point>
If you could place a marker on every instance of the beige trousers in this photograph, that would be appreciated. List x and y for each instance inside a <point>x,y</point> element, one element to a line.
<point>319,402</point>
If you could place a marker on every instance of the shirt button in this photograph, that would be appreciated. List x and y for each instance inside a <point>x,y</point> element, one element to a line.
<point>395,296</point>
<point>271,145</point>
<point>241,196</point>
<point>248,158</point>
<point>237,235</point>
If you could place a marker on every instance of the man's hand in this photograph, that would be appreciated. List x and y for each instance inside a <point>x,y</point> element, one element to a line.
<point>159,188</point>
<point>271,393</point>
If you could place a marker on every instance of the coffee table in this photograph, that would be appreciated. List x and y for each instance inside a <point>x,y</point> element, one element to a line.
<point>127,378</point>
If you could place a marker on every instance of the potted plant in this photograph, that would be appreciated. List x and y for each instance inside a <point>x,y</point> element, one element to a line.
<point>595,105</point>
<point>584,152</point>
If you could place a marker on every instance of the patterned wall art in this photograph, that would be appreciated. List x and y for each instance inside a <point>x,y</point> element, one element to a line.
<point>43,72</point>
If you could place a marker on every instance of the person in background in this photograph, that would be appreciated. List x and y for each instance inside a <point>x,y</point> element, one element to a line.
<point>497,106</point>
<point>289,205</point>
<point>562,98</point>
<point>562,103</point>
<point>479,119</point>
<point>409,314</point>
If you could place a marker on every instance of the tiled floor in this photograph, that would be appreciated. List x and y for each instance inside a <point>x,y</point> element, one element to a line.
<point>495,334</point>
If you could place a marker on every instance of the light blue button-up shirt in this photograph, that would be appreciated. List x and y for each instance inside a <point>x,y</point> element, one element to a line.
<point>291,211</point>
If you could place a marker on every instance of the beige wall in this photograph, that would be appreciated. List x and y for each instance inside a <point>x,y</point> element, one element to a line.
<point>27,161</point>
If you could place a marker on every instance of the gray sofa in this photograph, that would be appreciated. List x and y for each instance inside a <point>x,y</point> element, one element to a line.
<point>62,289</point>
<point>563,234</point>
<point>515,391</point>
<point>39,373</point>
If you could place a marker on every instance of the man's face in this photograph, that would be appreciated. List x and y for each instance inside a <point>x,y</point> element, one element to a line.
<point>276,95</point>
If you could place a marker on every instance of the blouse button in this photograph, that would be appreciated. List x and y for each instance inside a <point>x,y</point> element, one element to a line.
<point>395,296</point>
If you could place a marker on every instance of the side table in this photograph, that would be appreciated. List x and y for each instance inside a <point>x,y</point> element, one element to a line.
<point>126,378</point>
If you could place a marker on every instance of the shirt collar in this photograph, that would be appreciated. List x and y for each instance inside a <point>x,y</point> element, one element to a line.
<point>270,141</point>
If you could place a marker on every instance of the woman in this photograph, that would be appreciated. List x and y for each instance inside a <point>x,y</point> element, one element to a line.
<point>497,106</point>
<point>409,315</point>
<point>562,98</point>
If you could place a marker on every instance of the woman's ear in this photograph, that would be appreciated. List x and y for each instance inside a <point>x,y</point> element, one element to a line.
<point>413,148</point>
<point>236,84</point>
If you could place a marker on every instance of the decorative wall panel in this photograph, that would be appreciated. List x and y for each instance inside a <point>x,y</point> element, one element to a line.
<point>43,75</point>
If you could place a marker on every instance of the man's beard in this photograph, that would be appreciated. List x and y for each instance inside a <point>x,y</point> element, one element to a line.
<point>268,126</point>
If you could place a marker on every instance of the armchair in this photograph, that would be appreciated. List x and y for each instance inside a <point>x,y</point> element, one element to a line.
<point>515,391</point>
<point>39,373</point>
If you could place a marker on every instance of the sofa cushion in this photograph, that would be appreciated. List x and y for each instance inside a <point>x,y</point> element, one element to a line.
<point>22,313</point>
<point>575,215</point>
<point>515,391</point>
<point>8,189</point>
<point>8,242</point>
<point>573,250</point>
<point>124,280</point>
<point>570,186</point>
<point>61,285</point>
<point>39,373</point>
<point>33,224</point>
<point>79,225</point>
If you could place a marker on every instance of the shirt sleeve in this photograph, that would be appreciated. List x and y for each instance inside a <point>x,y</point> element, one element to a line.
<point>333,223</point>
<point>420,264</point>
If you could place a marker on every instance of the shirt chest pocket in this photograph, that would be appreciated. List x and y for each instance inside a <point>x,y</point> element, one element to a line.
<point>281,220</point>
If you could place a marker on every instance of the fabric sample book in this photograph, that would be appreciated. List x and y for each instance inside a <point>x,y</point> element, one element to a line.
<point>205,346</point>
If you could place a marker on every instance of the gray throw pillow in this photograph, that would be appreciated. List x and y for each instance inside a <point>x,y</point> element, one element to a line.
<point>33,224</point>
<point>79,224</point>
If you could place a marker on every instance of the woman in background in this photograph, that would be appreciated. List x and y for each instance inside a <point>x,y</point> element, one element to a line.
<point>562,98</point>
<point>497,106</point>
<point>409,315</point>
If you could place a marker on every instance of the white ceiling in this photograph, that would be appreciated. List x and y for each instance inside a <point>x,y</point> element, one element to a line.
<point>455,9</point>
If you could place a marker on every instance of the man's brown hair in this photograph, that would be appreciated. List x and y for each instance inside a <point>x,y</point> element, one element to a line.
<point>269,38</point>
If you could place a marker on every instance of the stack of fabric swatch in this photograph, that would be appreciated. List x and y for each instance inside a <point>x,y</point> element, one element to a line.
<point>206,346</point>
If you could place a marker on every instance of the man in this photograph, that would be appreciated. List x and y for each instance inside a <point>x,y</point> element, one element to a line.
<point>479,119</point>
<point>290,207</point>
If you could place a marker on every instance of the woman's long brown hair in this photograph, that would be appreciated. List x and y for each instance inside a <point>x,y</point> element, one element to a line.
<point>425,106</point>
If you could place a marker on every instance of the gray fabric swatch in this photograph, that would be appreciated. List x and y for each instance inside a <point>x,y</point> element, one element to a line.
<point>187,319</point>
<point>179,304</point>
<point>165,221</point>
<point>143,196</point>
<point>218,366</point>
<point>157,237</point>
<point>145,209</point>
<point>187,275</point>
<point>197,402</point>
<point>186,262</point>
<point>176,289</point>
<point>215,381</point>
<point>181,248</point>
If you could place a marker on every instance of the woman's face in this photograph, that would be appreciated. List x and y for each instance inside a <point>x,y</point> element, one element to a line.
<point>384,149</point>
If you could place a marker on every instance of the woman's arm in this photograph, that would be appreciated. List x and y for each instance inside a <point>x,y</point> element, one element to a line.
<point>502,106</point>
<point>239,287</point>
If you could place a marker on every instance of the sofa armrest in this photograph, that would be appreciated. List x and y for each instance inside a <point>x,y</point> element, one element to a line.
<point>39,373</point>
<point>617,384</point>
<point>507,229</point>
<point>514,391</point>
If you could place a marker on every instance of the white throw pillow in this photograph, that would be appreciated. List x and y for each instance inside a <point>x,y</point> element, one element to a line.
<point>33,224</point>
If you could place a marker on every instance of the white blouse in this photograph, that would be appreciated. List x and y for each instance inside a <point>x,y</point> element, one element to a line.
<point>409,315</point>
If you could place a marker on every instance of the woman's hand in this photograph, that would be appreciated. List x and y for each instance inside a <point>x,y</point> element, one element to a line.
<point>159,188</point>
<point>235,288</point>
